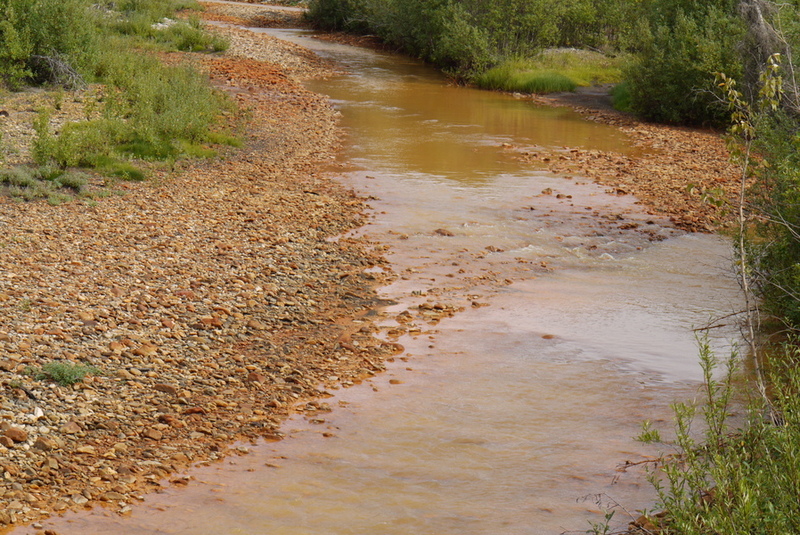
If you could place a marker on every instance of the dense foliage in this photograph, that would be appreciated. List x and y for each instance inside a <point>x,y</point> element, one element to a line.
<point>676,45</point>
<point>776,198</point>
<point>678,48</point>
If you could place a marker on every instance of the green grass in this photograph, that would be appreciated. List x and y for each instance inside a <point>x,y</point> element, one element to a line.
<point>552,71</point>
<point>54,184</point>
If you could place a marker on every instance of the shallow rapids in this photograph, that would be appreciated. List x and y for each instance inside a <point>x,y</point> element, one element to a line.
<point>512,416</point>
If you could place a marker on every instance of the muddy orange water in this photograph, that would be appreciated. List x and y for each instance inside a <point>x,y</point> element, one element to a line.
<point>513,415</point>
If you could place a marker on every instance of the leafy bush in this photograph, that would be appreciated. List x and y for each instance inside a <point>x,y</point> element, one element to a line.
<point>14,52</point>
<point>671,80</point>
<point>48,28</point>
<point>743,480</point>
<point>621,97</point>
<point>776,196</point>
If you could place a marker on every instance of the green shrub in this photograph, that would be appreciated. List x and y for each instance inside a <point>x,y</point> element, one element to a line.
<point>14,52</point>
<point>66,29</point>
<point>64,373</point>
<point>672,77</point>
<point>621,97</point>
<point>735,480</point>
<point>190,36</point>
<point>776,196</point>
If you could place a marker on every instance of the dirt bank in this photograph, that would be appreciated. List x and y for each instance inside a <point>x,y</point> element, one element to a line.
<point>211,299</point>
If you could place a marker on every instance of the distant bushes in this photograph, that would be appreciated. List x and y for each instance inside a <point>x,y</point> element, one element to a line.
<point>468,36</point>
<point>671,78</point>
<point>674,46</point>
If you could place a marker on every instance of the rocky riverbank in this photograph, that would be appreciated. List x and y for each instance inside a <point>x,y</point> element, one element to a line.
<point>207,302</point>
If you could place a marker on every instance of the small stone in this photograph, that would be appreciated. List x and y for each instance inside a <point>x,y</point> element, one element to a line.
<point>255,377</point>
<point>168,389</point>
<point>152,434</point>
<point>112,496</point>
<point>6,442</point>
<point>256,325</point>
<point>71,428</point>
<point>16,434</point>
<point>443,232</point>
<point>45,444</point>
<point>60,506</point>
<point>145,350</point>
<point>86,450</point>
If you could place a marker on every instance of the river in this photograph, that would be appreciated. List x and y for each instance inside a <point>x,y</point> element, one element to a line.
<point>513,415</point>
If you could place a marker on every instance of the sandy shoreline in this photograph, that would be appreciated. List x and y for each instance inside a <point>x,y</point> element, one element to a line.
<point>216,297</point>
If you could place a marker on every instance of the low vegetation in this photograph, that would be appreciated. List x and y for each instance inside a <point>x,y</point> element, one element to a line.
<point>136,108</point>
<point>63,373</point>
<point>52,183</point>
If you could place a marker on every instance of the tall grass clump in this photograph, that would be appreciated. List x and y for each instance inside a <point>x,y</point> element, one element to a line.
<point>508,78</point>
<point>552,71</point>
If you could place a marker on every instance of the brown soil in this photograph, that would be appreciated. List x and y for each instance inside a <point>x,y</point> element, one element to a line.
<point>215,297</point>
